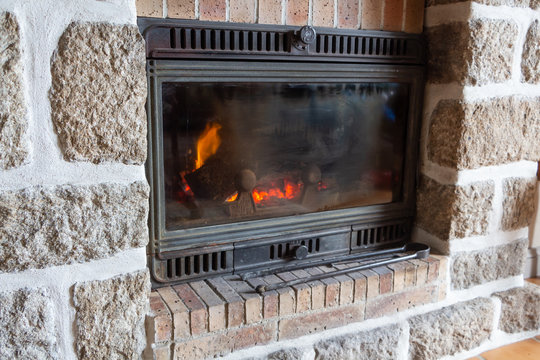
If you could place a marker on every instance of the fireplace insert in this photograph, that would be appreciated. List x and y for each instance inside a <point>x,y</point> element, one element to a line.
<point>271,147</point>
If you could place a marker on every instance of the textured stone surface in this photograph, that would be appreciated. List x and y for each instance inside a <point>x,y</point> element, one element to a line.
<point>243,11</point>
<point>13,146</point>
<point>212,10</point>
<point>288,354</point>
<point>478,267</point>
<point>450,330</point>
<point>381,343</point>
<point>468,135</point>
<point>473,53</point>
<point>269,12</point>
<point>530,61</point>
<point>109,316</point>
<point>150,8</point>
<point>99,92</point>
<point>45,226</point>
<point>518,204</point>
<point>347,14</point>
<point>450,211</point>
<point>27,328</point>
<point>181,9</point>
<point>323,13</point>
<point>297,12</point>
<point>520,309</point>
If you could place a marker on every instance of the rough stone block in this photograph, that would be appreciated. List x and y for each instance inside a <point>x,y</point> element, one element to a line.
<point>450,211</point>
<point>27,326</point>
<point>450,330</point>
<point>13,125</point>
<point>318,321</point>
<point>41,227</point>
<point>380,343</point>
<point>530,61</point>
<point>323,13</point>
<point>478,267</point>
<point>109,316</point>
<point>181,9</point>
<point>348,14</point>
<point>519,202</point>
<point>471,53</point>
<point>98,93</point>
<point>520,309</point>
<point>222,343</point>
<point>270,12</point>
<point>288,354</point>
<point>468,135</point>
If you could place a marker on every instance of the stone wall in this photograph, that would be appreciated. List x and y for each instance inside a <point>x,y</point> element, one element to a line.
<point>480,137</point>
<point>390,15</point>
<point>73,195</point>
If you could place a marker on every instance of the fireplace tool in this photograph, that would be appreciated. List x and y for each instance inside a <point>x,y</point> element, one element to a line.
<point>380,258</point>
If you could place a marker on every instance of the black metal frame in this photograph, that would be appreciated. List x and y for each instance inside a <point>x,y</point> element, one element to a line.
<point>206,54</point>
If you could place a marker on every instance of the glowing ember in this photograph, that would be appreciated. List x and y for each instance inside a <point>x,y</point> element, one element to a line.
<point>207,144</point>
<point>289,191</point>
<point>232,197</point>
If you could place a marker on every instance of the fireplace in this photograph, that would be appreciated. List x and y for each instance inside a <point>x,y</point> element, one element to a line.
<point>277,146</point>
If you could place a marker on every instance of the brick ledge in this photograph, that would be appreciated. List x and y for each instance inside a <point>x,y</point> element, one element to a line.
<point>217,316</point>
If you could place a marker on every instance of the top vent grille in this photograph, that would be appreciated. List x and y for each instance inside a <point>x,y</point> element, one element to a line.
<point>170,39</point>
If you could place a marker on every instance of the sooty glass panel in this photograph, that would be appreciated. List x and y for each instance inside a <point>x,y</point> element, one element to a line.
<point>242,151</point>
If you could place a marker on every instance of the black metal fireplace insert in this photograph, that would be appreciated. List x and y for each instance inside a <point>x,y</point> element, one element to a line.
<point>272,147</point>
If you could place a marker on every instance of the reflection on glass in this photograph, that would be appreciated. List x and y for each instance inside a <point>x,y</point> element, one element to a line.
<point>241,151</point>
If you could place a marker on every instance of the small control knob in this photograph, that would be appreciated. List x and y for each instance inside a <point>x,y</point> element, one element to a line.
<point>300,252</point>
<point>304,37</point>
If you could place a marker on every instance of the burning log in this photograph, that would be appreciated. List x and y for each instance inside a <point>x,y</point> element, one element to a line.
<point>214,180</point>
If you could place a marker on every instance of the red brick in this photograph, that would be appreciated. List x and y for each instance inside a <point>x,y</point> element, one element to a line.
<point>234,304</point>
<point>410,274</point>
<point>302,292</point>
<point>212,10</point>
<point>214,304</point>
<point>317,290</point>
<point>399,270</point>
<point>297,12</point>
<point>421,271</point>
<point>433,269</point>
<point>346,289</point>
<point>287,303</point>
<point>414,16</point>
<point>323,13</point>
<point>392,303</point>
<point>360,286</point>
<point>253,301</point>
<point>223,343</point>
<point>320,321</point>
<point>371,14</point>
<point>385,279</point>
<point>197,310</point>
<point>181,9</point>
<point>150,8</point>
<point>243,11</point>
<point>270,298</point>
<point>160,318</point>
<point>180,313</point>
<point>270,12</point>
<point>348,14</point>
<point>332,287</point>
<point>393,15</point>
<point>372,279</point>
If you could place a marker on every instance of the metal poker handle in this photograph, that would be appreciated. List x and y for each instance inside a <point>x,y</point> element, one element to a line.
<point>421,251</point>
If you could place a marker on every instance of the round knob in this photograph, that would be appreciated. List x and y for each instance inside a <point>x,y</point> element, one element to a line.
<point>300,252</point>
<point>245,180</point>
<point>307,34</point>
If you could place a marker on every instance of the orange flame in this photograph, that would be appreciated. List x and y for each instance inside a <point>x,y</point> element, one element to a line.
<point>289,191</point>
<point>232,198</point>
<point>207,144</point>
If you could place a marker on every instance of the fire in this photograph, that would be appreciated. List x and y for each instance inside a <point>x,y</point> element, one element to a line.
<point>232,198</point>
<point>289,191</point>
<point>207,144</point>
